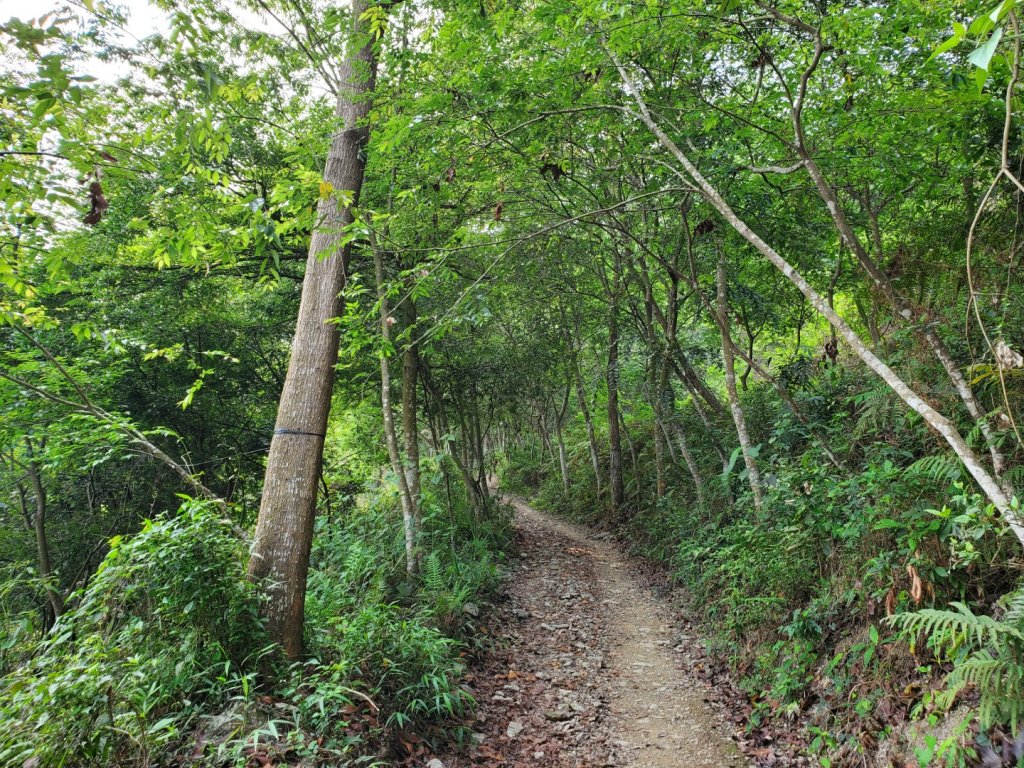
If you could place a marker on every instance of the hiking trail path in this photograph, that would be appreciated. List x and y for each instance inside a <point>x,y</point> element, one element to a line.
<point>589,667</point>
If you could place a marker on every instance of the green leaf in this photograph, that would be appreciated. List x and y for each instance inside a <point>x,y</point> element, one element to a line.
<point>982,55</point>
<point>999,12</point>
<point>959,33</point>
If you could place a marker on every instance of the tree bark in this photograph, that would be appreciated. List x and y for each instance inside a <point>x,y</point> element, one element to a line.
<point>614,435</point>
<point>39,527</point>
<point>581,399</point>
<point>658,380</point>
<point>746,446</point>
<point>691,462</point>
<point>476,502</point>
<point>410,426</point>
<point>284,528</point>
<point>406,499</point>
<point>752,364</point>
<point>673,355</point>
<point>563,459</point>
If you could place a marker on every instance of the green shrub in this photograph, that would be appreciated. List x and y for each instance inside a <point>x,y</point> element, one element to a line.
<point>378,635</point>
<point>167,628</point>
<point>410,669</point>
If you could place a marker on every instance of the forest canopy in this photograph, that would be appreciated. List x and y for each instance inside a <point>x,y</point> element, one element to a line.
<point>296,295</point>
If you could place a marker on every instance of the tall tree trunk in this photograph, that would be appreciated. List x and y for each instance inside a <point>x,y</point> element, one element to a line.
<point>39,527</point>
<point>634,454</point>
<point>545,438</point>
<point>563,462</point>
<point>409,521</point>
<point>762,372</point>
<point>410,427</point>
<point>468,464</point>
<point>936,420</point>
<point>480,453</point>
<point>673,354</point>
<point>753,475</point>
<point>670,417</point>
<point>284,528</point>
<point>574,344</point>
<point>581,398</point>
<point>451,446</point>
<point>563,459</point>
<point>614,435</point>
<point>658,380</point>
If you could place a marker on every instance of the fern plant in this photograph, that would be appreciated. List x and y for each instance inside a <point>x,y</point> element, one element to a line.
<point>433,573</point>
<point>987,655</point>
<point>937,467</point>
<point>443,593</point>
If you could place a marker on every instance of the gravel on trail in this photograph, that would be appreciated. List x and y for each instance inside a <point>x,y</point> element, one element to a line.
<point>588,666</point>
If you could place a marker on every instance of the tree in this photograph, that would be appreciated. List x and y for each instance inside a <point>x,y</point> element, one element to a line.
<point>284,529</point>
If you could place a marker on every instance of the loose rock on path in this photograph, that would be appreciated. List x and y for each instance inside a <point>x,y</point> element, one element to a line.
<point>586,673</point>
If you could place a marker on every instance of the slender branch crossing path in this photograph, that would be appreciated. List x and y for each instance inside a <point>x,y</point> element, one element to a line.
<point>588,671</point>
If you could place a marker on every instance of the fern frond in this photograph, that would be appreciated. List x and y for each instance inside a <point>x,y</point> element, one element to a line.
<point>1015,607</point>
<point>990,658</point>
<point>433,573</point>
<point>952,629</point>
<point>938,467</point>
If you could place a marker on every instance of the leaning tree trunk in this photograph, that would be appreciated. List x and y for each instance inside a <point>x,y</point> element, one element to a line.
<point>670,418</point>
<point>284,529</point>
<point>710,429</point>
<point>753,474</point>
<point>933,418</point>
<point>691,462</point>
<point>409,521</point>
<point>920,323</point>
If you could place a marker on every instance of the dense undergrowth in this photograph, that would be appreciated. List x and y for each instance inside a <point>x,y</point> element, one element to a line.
<point>163,659</point>
<point>865,602</point>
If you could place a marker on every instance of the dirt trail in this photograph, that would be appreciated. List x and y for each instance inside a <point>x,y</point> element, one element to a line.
<point>588,673</point>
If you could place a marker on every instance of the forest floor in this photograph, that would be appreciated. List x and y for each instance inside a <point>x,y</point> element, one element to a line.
<point>589,667</point>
